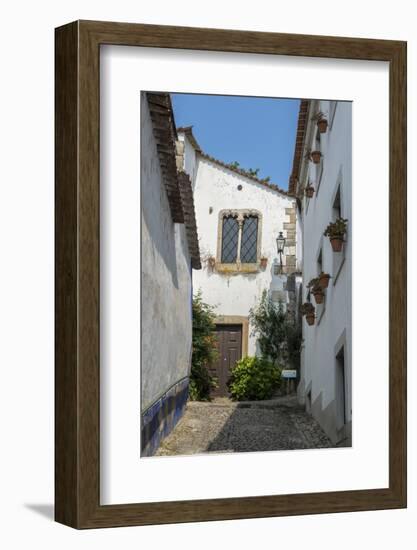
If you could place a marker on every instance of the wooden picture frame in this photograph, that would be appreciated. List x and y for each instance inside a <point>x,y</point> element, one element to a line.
<point>77,405</point>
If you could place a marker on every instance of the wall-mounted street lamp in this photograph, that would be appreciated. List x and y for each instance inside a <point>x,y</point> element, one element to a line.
<point>280,248</point>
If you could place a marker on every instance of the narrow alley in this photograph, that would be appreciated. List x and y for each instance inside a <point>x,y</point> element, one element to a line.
<point>226,426</point>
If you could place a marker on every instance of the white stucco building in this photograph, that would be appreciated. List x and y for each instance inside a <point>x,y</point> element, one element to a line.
<point>326,370</point>
<point>169,251</point>
<point>239,218</point>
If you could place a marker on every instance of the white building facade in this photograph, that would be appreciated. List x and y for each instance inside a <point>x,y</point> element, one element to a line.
<point>169,251</point>
<point>239,218</point>
<point>326,360</point>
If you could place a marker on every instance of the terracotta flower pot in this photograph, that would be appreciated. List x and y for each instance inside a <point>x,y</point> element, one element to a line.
<point>310,319</point>
<point>315,156</point>
<point>337,243</point>
<point>264,262</point>
<point>324,280</point>
<point>322,125</point>
<point>309,191</point>
<point>318,295</point>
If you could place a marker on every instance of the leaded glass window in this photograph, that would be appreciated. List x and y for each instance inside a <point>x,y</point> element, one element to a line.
<point>239,235</point>
<point>249,243</point>
<point>230,239</point>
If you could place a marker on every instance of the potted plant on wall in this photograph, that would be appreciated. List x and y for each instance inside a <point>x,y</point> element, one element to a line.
<point>315,156</point>
<point>263,262</point>
<point>322,122</point>
<point>313,282</point>
<point>316,290</point>
<point>324,280</point>
<point>318,294</point>
<point>336,232</point>
<point>211,261</point>
<point>309,191</point>
<point>308,310</point>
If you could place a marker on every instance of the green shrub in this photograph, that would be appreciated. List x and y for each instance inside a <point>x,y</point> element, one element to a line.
<point>204,350</point>
<point>254,378</point>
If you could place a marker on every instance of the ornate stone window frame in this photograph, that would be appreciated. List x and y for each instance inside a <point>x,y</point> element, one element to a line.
<point>238,267</point>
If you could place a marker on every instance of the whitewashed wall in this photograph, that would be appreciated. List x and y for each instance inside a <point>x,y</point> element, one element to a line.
<point>216,188</point>
<point>190,160</point>
<point>334,320</point>
<point>166,326</point>
<point>299,239</point>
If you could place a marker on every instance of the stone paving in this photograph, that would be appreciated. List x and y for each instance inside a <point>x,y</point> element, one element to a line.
<point>225,426</point>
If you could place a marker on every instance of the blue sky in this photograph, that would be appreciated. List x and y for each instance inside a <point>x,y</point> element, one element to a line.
<point>256,132</point>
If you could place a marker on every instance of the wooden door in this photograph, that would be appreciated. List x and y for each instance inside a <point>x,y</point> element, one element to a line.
<point>229,345</point>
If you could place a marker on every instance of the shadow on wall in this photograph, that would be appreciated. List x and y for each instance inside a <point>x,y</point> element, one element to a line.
<point>165,245</point>
<point>155,211</point>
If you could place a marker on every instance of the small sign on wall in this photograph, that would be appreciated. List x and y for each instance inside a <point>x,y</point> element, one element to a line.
<point>289,373</point>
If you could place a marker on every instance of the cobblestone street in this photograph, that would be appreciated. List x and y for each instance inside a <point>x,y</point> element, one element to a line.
<point>226,426</point>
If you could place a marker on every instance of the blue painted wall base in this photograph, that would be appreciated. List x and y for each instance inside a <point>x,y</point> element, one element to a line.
<point>161,417</point>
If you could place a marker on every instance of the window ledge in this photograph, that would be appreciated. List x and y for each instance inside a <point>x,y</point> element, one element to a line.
<point>237,268</point>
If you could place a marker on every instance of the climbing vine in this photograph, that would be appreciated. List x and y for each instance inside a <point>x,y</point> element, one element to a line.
<point>204,350</point>
<point>279,336</point>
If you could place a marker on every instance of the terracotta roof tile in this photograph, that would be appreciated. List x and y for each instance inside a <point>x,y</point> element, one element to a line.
<point>177,184</point>
<point>188,131</point>
<point>299,146</point>
<point>189,218</point>
<point>165,134</point>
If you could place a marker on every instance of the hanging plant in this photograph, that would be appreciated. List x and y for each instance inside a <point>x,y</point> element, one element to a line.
<point>318,294</point>
<point>324,279</point>
<point>322,122</point>
<point>309,191</point>
<point>312,283</point>
<point>322,125</point>
<point>315,156</point>
<point>308,310</point>
<point>316,290</point>
<point>310,318</point>
<point>264,262</point>
<point>211,260</point>
<point>336,232</point>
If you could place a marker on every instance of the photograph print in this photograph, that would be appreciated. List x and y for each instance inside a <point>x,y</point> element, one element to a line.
<point>246,274</point>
